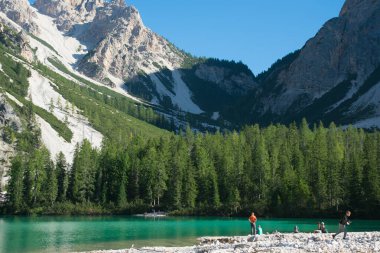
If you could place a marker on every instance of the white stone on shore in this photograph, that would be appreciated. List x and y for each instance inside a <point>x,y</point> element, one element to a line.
<point>278,243</point>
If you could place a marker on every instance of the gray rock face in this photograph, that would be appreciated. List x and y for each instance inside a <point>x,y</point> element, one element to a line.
<point>344,46</point>
<point>124,45</point>
<point>232,83</point>
<point>20,12</point>
<point>69,12</point>
<point>20,39</point>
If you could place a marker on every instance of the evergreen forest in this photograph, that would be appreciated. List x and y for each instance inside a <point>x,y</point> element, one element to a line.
<point>278,171</point>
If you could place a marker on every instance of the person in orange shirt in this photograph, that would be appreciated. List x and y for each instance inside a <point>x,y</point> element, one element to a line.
<point>252,219</point>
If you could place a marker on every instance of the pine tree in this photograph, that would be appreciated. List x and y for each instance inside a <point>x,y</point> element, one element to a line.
<point>318,167</point>
<point>83,172</point>
<point>62,177</point>
<point>35,176</point>
<point>160,175</point>
<point>59,103</point>
<point>371,185</point>
<point>51,105</point>
<point>206,176</point>
<point>335,157</point>
<point>113,164</point>
<point>50,188</point>
<point>15,185</point>
<point>177,168</point>
<point>260,168</point>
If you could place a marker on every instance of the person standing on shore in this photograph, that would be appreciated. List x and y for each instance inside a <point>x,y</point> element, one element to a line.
<point>252,219</point>
<point>343,223</point>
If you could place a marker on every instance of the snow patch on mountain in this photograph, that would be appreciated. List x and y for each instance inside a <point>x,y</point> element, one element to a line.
<point>215,115</point>
<point>119,84</point>
<point>368,123</point>
<point>370,98</point>
<point>183,94</point>
<point>42,94</point>
<point>69,48</point>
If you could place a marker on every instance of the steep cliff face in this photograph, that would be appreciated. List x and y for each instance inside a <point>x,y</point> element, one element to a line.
<point>69,12</point>
<point>21,13</point>
<point>344,53</point>
<point>124,46</point>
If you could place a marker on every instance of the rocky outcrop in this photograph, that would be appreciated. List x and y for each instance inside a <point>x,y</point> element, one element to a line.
<point>238,83</point>
<point>18,37</point>
<point>20,12</point>
<point>68,13</point>
<point>346,48</point>
<point>124,45</point>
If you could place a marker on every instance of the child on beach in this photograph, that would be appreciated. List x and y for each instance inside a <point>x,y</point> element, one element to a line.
<point>259,230</point>
<point>343,223</point>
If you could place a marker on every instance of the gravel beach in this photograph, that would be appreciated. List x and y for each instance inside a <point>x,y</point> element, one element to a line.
<point>279,242</point>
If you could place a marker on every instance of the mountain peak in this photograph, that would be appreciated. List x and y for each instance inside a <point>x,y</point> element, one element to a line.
<point>69,12</point>
<point>118,2</point>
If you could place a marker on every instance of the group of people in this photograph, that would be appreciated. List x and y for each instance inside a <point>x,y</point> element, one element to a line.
<point>321,228</point>
<point>343,223</point>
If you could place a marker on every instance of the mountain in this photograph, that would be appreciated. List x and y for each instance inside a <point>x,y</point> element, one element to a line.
<point>334,77</point>
<point>46,105</point>
<point>122,52</point>
<point>104,46</point>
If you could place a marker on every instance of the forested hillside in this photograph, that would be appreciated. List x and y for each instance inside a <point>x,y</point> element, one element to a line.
<point>275,171</point>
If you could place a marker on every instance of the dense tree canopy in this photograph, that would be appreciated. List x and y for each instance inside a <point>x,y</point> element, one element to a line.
<point>276,171</point>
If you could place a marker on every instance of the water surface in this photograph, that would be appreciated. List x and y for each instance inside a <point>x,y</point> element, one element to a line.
<point>63,234</point>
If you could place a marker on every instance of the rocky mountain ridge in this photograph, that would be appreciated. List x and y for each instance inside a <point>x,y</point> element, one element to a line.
<point>332,78</point>
<point>70,12</point>
<point>123,52</point>
<point>324,79</point>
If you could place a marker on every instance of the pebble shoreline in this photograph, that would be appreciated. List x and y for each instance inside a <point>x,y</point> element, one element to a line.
<point>279,242</point>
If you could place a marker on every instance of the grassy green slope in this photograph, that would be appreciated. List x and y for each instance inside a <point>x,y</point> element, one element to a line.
<point>14,80</point>
<point>108,112</point>
<point>102,107</point>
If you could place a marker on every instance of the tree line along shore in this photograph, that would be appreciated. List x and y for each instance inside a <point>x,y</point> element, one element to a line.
<point>281,171</point>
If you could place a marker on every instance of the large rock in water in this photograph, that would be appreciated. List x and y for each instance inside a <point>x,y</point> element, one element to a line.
<point>345,51</point>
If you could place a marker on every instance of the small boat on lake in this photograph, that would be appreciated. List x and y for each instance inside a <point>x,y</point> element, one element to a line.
<point>154,214</point>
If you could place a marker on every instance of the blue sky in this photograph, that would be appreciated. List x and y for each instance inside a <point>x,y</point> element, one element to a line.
<point>257,32</point>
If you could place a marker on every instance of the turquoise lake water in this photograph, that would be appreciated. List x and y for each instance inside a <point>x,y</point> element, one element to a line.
<point>63,234</point>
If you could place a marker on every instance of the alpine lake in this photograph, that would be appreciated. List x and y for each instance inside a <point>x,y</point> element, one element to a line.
<point>84,233</point>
